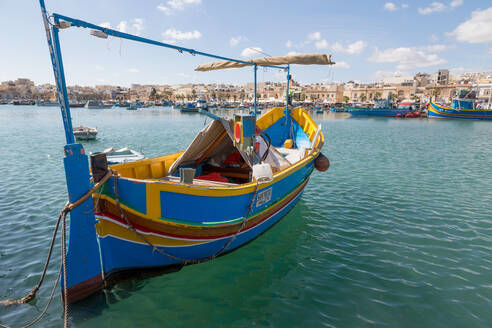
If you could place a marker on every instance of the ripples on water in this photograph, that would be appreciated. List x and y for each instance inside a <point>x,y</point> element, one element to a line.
<point>397,233</point>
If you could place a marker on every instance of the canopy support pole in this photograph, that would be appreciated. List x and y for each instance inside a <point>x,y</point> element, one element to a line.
<point>84,273</point>
<point>287,111</point>
<point>117,34</point>
<point>255,68</point>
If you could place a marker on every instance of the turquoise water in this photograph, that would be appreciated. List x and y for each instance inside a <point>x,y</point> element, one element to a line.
<point>397,233</point>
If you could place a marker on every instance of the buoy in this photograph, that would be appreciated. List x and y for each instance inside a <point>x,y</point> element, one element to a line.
<point>321,163</point>
<point>288,143</point>
<point>398,115</point>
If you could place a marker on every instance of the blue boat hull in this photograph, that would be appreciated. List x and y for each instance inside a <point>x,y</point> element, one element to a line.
<point>120,254</point>
<point>384,112</point>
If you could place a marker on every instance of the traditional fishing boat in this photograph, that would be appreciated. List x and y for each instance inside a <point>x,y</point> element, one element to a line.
<point>235,180</point>
<point>381,107</point>
<point>189,108</point>
<point>463,107</point>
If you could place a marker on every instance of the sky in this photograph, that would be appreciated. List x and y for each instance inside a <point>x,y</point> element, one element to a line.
<point>368,39</point>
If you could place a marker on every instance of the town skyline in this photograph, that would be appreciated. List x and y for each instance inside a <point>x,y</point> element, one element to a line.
<point>388,38</point>
<point>420,87</point>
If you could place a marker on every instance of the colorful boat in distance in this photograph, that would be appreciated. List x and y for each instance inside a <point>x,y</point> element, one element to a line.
<point>189,108</point>
<point>460,109</point>
<point>337,109</point>
<point>382,108</point>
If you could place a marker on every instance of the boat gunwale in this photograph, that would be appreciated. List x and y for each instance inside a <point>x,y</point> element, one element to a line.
<point>277,176</point>
<point>239,189</point>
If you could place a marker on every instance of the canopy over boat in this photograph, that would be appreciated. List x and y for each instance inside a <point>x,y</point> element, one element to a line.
<point>303,59</point>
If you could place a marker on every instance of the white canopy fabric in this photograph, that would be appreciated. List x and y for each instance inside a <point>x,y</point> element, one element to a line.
<point>204,139</point>
<point>304,59</point>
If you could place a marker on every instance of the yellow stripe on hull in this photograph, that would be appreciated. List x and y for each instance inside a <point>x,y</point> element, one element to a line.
<point>106,227</point>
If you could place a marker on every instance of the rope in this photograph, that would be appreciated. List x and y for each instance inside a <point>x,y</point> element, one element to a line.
<point>182,260</point>
<point>64,264</point>
<point>61,218</point>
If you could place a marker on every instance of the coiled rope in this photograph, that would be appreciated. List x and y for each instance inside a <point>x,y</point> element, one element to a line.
<point>63,265</point>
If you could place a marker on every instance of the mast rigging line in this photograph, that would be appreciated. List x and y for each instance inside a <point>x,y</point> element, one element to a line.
<point>69,22</point>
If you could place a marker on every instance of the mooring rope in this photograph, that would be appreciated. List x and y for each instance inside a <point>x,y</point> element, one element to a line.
<point>63,265</point>
<point>176,258</point>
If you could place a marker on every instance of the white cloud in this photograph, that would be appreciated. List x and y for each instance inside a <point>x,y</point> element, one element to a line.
<point>122,26</point>
<point>433,38</point>
<point>173,5</point>
<point>172,33</point>
<point>288,44</point>
<point>404,5</point>
<point>237,39</point>
<point>105,25</point>
<point>456,3</point>
<point>478,29</point>
<point>251,52</point>
<point>164,9</point>
<point>180,4</point>
<point>341,64</point>
<point>322,44</point>
<point>138,25</point>
<point>490,51</point>
<point>434,7</point>
<point>406,58</point>
<point>379,75</point>
<point>354,48</point>
<point>133,70</point>
<point>99,68</point>
<point>433,48</point>
<point>390,6</point>
<point>292,53</point>
<point>314,36</point>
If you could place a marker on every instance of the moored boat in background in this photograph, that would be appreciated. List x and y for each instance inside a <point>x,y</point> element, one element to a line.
<point>382,108</point>
<point>85,133</point>
<point>463,107</point>
<point>76,104</point>
<point>189,108</point>
<point>201,103</point>
<point>47,103</point>
<point>97,104</point>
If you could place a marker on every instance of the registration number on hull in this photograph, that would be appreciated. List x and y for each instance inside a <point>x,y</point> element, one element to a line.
<point>264,197</point>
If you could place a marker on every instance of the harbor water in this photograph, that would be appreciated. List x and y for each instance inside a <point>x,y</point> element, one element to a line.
<point>397,233</point>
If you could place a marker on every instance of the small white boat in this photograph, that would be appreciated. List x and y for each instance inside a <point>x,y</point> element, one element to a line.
<point>123,155</point>
<point>84,133</point>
